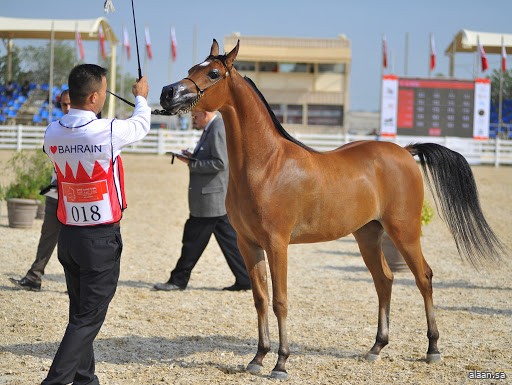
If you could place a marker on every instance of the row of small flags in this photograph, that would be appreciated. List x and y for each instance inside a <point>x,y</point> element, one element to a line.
<point>126,44</point>
<point>432,56</point>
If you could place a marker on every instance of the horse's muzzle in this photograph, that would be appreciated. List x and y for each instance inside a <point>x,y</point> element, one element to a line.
<point>177,97</point>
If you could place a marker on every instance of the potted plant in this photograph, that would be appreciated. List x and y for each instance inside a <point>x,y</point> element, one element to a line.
<point>393,257</point>
<point>32,171</point>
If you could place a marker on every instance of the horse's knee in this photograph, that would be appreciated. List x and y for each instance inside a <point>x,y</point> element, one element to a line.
<point>280,307</point>
<point>260,302</point>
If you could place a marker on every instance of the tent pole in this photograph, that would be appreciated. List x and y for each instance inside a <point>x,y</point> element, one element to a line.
<point>111,101</point>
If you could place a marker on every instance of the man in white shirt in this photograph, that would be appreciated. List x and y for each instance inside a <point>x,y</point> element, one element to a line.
<point>85,152</point>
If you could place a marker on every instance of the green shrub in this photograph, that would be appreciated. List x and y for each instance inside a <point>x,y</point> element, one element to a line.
<point>427,213</point>
<point>32,171</point>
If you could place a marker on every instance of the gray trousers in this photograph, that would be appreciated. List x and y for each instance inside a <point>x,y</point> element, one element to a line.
<point>47,241</point>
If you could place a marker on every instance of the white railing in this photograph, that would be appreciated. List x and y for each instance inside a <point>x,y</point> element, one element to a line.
<point>159,141</point>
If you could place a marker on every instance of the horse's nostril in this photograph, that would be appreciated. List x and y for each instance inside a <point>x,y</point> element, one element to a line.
<point>170,93</point>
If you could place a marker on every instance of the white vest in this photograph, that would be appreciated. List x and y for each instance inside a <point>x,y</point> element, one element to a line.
<point>90,180</point>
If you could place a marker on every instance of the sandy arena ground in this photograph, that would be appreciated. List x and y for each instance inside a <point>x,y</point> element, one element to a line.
<point>204,335</point>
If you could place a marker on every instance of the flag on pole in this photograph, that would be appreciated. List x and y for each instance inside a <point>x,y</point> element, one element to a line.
<point>432,53</point>
<point>148,44</point>
<point>174,44</point>
<point>126,43</point>
<point>80,45</point>
<point>483,56</point>
<point>108,6</point>
<point>102,43</point>
<point>384,52</point>
<point>503,56</point>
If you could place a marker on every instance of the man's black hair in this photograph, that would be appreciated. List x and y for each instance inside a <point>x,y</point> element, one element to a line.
<point>83,80</point>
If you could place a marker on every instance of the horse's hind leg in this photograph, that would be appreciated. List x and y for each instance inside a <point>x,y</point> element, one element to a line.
<point>368,238</point>
<point>411,251</point>
<point>254,259</point>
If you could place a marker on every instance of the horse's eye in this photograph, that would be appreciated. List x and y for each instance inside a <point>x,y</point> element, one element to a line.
<point>213,74</point>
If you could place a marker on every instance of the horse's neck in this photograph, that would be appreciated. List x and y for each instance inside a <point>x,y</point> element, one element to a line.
<point>250,133</point>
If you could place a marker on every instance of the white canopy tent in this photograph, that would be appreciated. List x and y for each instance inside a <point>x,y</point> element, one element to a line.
<point>58,29</point>
<point>466,41</point>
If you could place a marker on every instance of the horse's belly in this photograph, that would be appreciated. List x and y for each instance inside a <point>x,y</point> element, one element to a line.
<point>327,222</point>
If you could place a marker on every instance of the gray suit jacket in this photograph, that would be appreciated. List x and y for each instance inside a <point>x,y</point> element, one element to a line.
<point>209,173</point>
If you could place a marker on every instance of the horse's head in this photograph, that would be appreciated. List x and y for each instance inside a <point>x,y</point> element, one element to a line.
<point>203,80</point>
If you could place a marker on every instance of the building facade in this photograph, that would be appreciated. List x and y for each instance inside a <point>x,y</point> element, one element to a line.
<point>304,80</point>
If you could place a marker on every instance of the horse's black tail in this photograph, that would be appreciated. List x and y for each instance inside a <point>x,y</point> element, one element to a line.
<point>449,175</point>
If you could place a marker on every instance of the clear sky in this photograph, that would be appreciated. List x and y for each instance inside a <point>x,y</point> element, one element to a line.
<point>362,21</point>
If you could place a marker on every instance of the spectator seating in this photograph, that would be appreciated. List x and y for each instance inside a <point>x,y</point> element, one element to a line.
<point>506,113</point>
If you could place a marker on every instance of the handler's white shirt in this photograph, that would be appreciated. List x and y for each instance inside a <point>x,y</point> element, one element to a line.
<point>79,142</point>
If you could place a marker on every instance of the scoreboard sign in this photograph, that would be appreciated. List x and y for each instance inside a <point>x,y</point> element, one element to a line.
<point>435,107</point>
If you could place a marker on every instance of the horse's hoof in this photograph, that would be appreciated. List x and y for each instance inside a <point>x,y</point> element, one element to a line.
<point>433,358</point>
<point>278,375</point>
<point>372,357</point>
<point>254,368</point>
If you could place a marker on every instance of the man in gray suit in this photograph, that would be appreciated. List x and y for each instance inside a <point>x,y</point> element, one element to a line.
<point>208,167</point>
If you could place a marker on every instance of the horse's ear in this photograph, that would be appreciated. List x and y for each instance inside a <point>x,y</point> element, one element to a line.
<point>214,51</point>
<point>230,58</point>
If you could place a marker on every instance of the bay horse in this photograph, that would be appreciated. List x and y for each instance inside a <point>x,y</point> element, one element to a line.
<point>282,192</point>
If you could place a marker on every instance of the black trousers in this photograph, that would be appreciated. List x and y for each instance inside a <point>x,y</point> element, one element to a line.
<point>196,235</point>
<point>47,241</point>
<point>91,260</point>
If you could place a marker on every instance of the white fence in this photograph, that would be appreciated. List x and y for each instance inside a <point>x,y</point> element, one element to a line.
<point>493,151</point>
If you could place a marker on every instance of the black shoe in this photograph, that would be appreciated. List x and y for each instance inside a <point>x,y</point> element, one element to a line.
<point>26,284</point>
<point>167,286</point>
<point>237,287</point>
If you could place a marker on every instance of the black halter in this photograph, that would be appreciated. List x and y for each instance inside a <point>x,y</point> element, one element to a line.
<point>222,59</point>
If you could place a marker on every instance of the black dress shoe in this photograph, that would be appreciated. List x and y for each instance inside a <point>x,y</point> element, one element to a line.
<point>26,284</point>
<point>237,287</point>
<point>167,286</point>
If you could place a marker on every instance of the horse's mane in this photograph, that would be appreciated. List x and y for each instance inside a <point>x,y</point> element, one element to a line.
<point>276,122</point>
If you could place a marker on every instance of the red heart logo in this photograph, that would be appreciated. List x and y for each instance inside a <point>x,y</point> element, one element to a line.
<point>53,149</point>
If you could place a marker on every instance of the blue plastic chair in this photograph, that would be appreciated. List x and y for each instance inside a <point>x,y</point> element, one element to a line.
<point>37,119</point>
<point>57,114</point>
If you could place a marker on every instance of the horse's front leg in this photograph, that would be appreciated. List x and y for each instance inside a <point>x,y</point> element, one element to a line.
<point>278,263</point>
<point>254,259</point>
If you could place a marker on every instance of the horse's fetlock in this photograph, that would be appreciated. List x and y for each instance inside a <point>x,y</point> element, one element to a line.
<point>382,339</point>
<point>283,353</point>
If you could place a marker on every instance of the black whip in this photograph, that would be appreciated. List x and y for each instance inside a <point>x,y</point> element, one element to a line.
<point>136,41</point>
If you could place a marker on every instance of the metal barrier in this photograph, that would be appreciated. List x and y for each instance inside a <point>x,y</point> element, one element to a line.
<point>159,141</point>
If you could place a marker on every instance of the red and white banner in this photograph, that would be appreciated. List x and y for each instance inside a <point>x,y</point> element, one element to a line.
<point>503,56</point>
<point>126,43</point>
<point>483,57</point>
<point>174,44</point>
<point>432,53</point>
<point>148,44</point>
<point>80,45</point>
<point>102,43</point>
<point>384,52</point>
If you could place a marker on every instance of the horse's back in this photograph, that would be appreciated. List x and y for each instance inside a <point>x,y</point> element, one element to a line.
<point>384,156</point>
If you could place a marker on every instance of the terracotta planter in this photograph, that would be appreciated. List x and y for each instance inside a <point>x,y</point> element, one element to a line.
<point>393,257</point>
<point>21,212</point>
